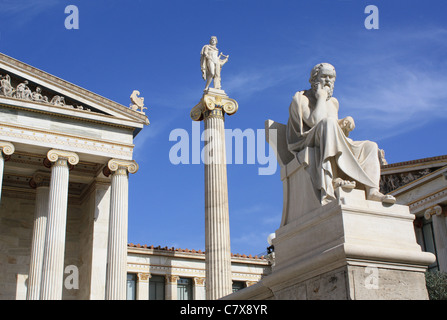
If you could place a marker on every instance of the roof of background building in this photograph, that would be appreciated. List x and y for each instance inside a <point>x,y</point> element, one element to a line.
<point>172,249</point>
<point>417,161</point>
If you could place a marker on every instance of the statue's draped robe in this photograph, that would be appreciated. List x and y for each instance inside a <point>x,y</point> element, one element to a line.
<point>325,142</point>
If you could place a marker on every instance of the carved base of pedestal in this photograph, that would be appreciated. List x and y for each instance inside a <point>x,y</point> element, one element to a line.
<point>351,248</point>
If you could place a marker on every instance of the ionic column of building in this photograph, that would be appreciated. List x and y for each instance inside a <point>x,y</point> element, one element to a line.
<point>438,214</point>
<point>212,109</point>
<point>6,149</point>
<point>53,260</point>
<point>117,240</point>
<point>40,182</point>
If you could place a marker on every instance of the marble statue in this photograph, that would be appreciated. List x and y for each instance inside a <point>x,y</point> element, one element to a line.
<point>37,96</point>
<point>6,88</point>
<point>23,91</point>
<point>58,101</point>
<point>211,63</point>
<point>137,102</point>
<point>315,131</point>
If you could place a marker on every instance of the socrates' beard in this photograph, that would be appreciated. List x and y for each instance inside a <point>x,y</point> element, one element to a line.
<point>328,88</point>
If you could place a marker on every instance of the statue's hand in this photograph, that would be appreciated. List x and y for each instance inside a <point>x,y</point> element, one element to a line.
<point>347,125</point>
<point>321,93</point>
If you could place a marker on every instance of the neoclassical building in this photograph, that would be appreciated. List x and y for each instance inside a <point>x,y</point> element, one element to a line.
<point>422,185</point>
<point>162,273</point>
<point>65,157</point>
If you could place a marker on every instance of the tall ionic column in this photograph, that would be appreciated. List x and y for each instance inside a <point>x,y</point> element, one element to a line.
<point>6,149</point>
<point>212,108</point>
<point>117,241</point>
<point>53,260</point>
<point>40,182</point>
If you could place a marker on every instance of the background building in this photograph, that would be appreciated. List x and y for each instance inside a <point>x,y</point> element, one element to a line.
<point>156,273</point>
<point>422,185</point>
<point>65,154</point>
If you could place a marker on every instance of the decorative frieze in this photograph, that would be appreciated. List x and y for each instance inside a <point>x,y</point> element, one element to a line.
<point>391,182</point>
<point>88,145</point>
<point>23,91</point>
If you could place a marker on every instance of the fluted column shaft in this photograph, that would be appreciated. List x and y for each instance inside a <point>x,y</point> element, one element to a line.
<point>217,221</point>
<point>38,240</point>
<point>117,241</point>
<point>53,260</point>
<point>6,149</point>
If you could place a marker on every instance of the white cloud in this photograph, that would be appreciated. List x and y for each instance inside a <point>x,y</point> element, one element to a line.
<point>400,84</point>
<point>248,82</point>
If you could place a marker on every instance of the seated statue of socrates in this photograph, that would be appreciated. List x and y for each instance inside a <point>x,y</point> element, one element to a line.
<point>336,160</point>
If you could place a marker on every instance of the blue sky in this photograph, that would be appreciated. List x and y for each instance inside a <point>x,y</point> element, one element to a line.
<point>392,81</point>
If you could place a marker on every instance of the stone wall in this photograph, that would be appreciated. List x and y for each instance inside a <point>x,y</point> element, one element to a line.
<point>16,223</point>
<point>16,227</point>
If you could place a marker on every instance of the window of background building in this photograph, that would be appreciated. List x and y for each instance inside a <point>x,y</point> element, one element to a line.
<point>131,286</point>
<point>429,243</point>
<point>184,289</point>
<point>157,288</point>
<point>238,285</point>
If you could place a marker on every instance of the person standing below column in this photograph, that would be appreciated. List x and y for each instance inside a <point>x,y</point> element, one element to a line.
<point>53,260</point>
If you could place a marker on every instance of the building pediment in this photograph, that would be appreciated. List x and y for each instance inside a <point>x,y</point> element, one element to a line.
<point>398,175</point>
<point>23,86</point>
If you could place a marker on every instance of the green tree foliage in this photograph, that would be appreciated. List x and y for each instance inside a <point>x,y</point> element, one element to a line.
<point>436,285</point>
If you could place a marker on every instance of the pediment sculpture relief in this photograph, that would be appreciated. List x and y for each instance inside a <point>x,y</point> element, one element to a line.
<point>23,91</point>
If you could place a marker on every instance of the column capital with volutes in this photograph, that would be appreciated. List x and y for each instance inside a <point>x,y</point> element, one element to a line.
<point>214,103</point>
<point>55,156</point>
<point>120,166</point>
<point>6,148</point>
<point>40,179</point>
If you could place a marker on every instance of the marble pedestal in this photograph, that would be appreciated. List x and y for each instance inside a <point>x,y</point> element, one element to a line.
<point>351,248</point>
